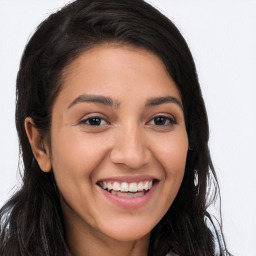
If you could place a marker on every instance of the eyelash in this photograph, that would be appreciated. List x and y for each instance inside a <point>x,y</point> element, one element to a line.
<point>171,121</point>
<point>168,121</point>
<point>93,119</point>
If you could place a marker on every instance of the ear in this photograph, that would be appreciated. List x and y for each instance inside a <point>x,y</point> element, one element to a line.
<point>39,145</point>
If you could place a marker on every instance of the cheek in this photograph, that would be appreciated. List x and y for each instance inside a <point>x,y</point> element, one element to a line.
<point>75,156</point>
<point>171,153</point>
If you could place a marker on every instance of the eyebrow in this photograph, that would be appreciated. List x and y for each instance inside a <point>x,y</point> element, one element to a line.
<point>107,101</point>
<point>94,99</point>
<point>162,100</point>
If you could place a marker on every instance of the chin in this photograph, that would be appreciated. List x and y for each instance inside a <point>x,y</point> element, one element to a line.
<point>127,231</point>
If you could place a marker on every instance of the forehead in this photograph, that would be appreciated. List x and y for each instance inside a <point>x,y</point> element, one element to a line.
<point>107,54</point>
<point>112,68</point>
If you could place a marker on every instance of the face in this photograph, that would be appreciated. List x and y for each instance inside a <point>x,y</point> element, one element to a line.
<point>118,142</point>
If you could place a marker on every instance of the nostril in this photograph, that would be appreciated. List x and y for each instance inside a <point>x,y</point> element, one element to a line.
<point>134,159</point>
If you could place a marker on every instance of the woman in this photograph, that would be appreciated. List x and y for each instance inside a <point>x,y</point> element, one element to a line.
<point>113,133</point>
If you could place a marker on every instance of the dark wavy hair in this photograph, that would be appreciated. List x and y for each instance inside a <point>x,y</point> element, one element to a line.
<point>32,220</point>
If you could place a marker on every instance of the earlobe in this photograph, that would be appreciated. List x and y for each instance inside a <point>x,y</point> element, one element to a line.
<point>38,145</point>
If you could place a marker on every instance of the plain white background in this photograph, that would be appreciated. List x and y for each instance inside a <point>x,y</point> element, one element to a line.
<point>222,37</point>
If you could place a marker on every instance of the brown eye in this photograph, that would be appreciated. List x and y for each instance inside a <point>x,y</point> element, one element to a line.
<point>162,121</point>
<point>94,121</point>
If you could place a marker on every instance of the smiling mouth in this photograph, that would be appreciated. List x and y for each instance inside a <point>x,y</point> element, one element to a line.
<point>125,189</point>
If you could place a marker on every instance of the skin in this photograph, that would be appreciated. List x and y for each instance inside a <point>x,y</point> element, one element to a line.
<point>128,141</point>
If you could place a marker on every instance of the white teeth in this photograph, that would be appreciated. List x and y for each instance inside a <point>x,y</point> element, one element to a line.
<point>133,187</point>
<point>113,192</point>
<point>104,185</point>
<point>121,194</point>
<point>126,187</point>
<point>146,185</point>
<point>116,186</point>
<point>109,186</point>
<point>150,184</point>
<point>129,195</point>
<point>140,186</point>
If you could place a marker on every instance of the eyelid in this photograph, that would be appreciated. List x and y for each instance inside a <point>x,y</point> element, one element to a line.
<point>169,117</point>
<point>90,117</point>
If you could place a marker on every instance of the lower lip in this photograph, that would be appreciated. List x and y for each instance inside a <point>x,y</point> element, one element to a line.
<point>126,202</point>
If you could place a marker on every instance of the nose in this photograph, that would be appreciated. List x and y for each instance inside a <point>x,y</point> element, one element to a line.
<point>130,148</point>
